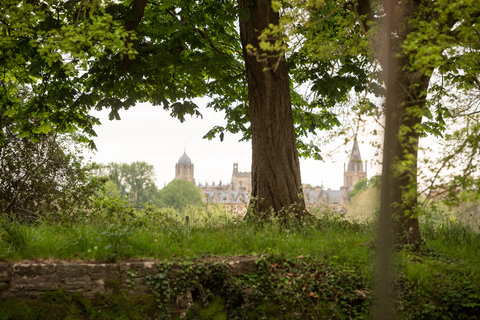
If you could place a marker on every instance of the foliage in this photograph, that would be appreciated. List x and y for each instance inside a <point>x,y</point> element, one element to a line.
<point>161,233</point>
<point>115,237</point>
<point>180,194</point>
<point>373,182</point>
<point>133,182</point>
<point>110,209</point>
<point>96,55</point>
<point>63,305</point>
<point>44,47</point>
<point>422,294</point>
<point>291,288</point>
<point>111,190</point>
<point>329,54</point>
<point>15,235</point>
<point>308,271</point>
<point>45,178</point>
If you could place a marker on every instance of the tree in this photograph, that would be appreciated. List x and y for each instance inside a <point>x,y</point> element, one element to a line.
<point>410,39</point>
<point>180,194</point>
<point>409,86</point>
<point>345,41</point>
<point>275,163</point>
<point>133,181</point>
<point>43,44</point>
<point>364,184</point>
<point>43,178</point>
<point>111,190</point>
<point>166,53</point>
<point>138,179</point>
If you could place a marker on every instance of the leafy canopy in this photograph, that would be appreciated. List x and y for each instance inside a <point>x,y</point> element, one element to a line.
<point>180,194</point>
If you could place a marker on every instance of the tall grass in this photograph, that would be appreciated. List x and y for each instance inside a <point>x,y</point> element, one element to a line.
<point>154,233</point>
<point>161,234</point>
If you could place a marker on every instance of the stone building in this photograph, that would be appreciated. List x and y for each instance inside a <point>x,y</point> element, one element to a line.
<point>236,194</point>
<point>184,168</point>
<point>338,199</point>
<point>353,173</point>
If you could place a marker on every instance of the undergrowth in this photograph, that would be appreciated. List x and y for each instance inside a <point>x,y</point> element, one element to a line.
<point>320,270</point>
<point>162,234</point>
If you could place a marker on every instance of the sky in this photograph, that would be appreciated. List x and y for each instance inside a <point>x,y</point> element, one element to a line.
<point>148,133</point>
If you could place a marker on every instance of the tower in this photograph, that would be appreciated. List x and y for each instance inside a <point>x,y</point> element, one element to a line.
<point>184,168</point>
<point>353,173</point>
<point>241,181</point>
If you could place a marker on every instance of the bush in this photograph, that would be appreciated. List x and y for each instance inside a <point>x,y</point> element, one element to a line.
<point>43,178</point>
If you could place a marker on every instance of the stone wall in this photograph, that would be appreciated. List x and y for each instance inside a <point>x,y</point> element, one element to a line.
<point>28,280</point>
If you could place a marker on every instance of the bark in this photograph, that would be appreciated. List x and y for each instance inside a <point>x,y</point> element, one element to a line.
<point>276,182</point>
<point>407,105</point>
<point>404,111</point>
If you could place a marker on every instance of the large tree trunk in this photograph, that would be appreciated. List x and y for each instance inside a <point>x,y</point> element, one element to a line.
<point>403,126</point>
<point>276,182</point>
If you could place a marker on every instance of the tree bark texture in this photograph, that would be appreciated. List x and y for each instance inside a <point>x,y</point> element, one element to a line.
<point>404,117</point>
<point>276,182</point>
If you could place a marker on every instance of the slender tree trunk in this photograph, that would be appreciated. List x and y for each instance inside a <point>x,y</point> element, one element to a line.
<point>276,182</point>
<point>404,112</point>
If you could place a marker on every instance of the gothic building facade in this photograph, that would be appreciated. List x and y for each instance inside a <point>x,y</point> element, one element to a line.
<point>236,194</point>
<point>338,199</point>
<point>353,173</point>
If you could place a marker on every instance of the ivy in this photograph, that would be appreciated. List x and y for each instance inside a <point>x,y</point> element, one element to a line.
<point>299,288</point>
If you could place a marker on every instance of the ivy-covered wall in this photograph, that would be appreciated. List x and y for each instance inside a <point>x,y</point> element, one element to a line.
<point>249,287</point>
<point>31,280</point>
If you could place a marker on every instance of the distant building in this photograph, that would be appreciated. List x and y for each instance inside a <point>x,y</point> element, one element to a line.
<point>338,199</point>
<point>354,172</point>
<point>236,194</point>
<point>184,168</point>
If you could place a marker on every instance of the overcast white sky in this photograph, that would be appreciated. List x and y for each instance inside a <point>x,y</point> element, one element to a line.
<point>147,133</point>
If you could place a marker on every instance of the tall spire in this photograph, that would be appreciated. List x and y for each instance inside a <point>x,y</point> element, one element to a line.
<point>355,151</point>
<point>355,164</point>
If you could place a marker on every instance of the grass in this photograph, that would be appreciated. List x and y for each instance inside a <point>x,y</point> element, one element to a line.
<point>163,235</point>
<point>442,280</point>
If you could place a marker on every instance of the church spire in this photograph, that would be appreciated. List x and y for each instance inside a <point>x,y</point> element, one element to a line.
<point>355,151</point>
<point>355,170</point>
<point>355,164</point>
